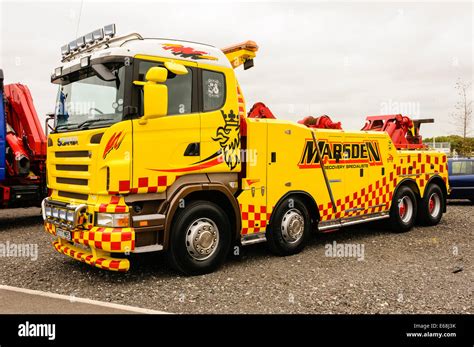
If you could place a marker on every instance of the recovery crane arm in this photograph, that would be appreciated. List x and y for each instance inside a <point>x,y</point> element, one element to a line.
<point>404,131</point>
<point>22,148</point>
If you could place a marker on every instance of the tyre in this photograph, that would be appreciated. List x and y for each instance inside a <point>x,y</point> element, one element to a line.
<point>431,206</point>
<point>403,211</point>
<point>290,228</point>
<point>200,238</point>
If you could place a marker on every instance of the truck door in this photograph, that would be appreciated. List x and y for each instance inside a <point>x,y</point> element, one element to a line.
<point>168,146</point>
<point>253,198</point>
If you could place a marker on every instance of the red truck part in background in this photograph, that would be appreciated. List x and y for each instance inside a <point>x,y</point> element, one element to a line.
<point>22,149</point>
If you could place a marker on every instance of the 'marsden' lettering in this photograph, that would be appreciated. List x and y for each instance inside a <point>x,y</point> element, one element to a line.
<point>367,151</point>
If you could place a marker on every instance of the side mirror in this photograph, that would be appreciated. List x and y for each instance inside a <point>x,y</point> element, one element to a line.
<point>176,68</point>
<point>47,126</point>
<point>155,94</point>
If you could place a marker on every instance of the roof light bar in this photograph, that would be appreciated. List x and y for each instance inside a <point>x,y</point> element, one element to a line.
<point>80,42</point>
<point>73,46</point>
<point>88,40</point>
<point>109,30</point>
<point>65,50</point>
<point>98,34</point>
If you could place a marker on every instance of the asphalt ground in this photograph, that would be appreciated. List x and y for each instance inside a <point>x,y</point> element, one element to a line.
<point>427,270</point>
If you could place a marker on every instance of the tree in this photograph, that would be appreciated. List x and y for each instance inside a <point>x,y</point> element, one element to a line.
<point>463,114</point>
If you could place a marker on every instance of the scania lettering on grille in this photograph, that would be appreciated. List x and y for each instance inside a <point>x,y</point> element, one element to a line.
<point>67,141</point>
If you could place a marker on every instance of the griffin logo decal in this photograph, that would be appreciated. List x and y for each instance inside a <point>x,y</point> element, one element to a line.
<point>187,52</point>
<point>114,143</point>
<point>228,137</point>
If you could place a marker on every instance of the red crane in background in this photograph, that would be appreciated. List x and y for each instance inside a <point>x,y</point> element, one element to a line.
<point>22,148</point>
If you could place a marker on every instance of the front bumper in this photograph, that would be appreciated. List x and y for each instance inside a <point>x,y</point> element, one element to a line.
<point>88,243</point>
<point>97,245</point>
<point>102,261</point>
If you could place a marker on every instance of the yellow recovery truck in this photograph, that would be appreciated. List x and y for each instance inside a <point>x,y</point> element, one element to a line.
<point>152,150</point>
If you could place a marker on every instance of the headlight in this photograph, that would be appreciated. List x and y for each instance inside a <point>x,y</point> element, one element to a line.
<point>62,214</point>
<point>70,216</point>
<point>47,211</point>
<point>55,212</point>
<point>114,220</point>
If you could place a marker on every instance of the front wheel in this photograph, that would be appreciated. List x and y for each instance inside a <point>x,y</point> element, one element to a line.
<point>432,204</point>
<point>200,238</point>
<point>403,210</point>
<point>290,228</point>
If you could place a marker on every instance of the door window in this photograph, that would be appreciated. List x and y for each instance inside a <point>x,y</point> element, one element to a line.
<point>180,89</point>
<point>213,86</point>
<point>462,168</point>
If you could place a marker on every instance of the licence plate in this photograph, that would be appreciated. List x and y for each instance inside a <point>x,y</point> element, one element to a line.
<point>64,234</point>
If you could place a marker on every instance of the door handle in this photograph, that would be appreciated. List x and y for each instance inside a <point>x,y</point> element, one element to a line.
<point>193,150</point>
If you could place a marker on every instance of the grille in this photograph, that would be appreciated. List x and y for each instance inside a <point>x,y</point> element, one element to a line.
<point>72,154</point>
<point>76,181</point>
<point>62,167</point>
<point>71,195</point>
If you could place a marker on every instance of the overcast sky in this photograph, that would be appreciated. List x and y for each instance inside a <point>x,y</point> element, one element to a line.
<point>346,60</point>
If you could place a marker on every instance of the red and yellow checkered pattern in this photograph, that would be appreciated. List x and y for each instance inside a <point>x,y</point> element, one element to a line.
<point>119,240</point>
<point>106,239</point>
<point>50,228</point>
<point>373,198</point>
<point>424,166</point>
<point>241,103</point>
<point>254,218</point>
<point>144,185</point>
<point>377,197</point>
<point>101,261</point>
<point>116,205</point>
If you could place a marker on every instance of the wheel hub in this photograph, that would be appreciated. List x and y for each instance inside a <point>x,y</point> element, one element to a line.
<point>405,209</point>
<point>202,238</point>
<point>434,204</point>
<point>292,226</point>
<point>402,209</point>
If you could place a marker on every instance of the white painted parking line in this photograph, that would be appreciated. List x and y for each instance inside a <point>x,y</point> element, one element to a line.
<point>73,299</point>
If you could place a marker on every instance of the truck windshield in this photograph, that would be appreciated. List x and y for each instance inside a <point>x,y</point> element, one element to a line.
<point>85,100</point>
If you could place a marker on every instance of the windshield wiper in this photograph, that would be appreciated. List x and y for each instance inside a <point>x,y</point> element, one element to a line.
<point>65,126</point>
<point>90,121</point>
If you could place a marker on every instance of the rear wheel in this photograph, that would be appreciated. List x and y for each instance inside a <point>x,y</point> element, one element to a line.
<point>290,228</point>
<point>403,210</point>
<point>431,206</point>
<point>200,238</point>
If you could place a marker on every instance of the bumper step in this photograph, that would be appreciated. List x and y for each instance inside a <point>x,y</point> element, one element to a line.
<point>101,261</point>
